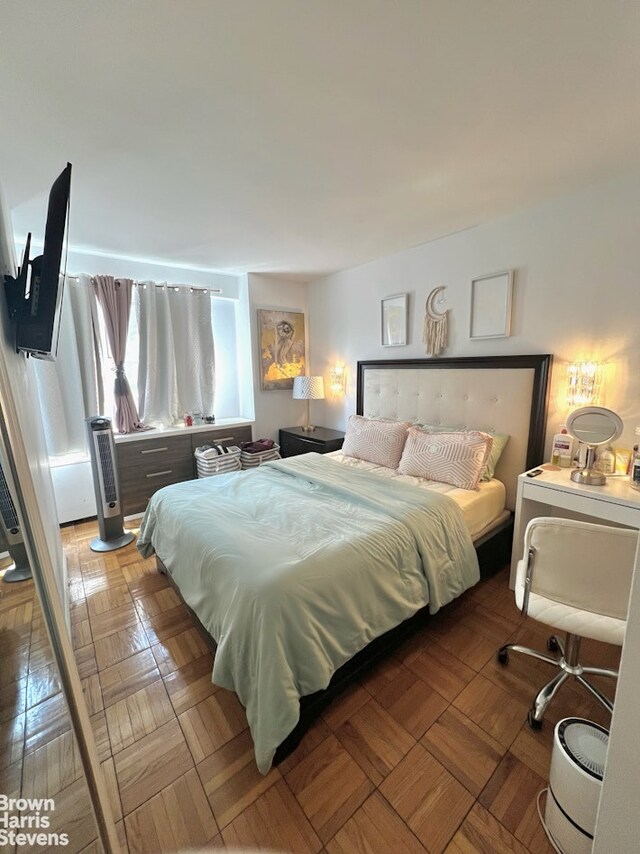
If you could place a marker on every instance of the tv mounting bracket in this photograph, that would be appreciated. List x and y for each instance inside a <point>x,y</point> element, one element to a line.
<point>15,287</point>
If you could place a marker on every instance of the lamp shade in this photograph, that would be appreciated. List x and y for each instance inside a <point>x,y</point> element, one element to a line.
<point>308,388</point>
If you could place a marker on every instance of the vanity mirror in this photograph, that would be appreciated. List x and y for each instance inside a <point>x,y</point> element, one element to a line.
<point>594,426</point>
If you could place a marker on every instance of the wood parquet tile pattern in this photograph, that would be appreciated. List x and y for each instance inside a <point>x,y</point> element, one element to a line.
<point>428,752</point>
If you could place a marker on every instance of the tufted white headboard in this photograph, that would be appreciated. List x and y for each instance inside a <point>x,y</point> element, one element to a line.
<point>503,394</point>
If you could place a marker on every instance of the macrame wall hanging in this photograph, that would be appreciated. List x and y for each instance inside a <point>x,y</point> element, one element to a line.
<point>435,324</point>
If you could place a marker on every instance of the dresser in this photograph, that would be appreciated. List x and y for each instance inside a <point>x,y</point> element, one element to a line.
<point>553,493</point>
<point>150,460</point>
<point>295,440</point>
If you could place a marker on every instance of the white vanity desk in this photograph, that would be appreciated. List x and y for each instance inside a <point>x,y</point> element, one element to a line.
<point>553,493</point>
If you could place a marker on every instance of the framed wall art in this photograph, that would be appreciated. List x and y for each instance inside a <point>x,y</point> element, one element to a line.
<point>394,315</point>
<point>281,341</point>
<point>491,305</point>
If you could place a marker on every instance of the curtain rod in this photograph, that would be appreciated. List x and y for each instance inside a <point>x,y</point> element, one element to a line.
<point>192,288</point>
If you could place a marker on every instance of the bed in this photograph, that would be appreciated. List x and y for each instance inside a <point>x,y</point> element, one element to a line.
<point>305,570</point>
<point>483,509</point>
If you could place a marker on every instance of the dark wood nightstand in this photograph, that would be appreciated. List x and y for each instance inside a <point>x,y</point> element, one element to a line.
<point>294,441</point>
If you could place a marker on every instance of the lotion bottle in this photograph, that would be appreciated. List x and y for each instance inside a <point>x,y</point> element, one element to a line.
<point>562,449</point>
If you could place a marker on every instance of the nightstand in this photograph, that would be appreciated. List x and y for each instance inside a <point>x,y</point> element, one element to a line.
<point>294,441</point>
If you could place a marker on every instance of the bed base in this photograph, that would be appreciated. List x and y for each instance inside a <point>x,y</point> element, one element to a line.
<point>494,552</point>
<point>312,706</point>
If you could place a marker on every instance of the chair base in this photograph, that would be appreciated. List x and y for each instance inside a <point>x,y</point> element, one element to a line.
<point>569,667</point>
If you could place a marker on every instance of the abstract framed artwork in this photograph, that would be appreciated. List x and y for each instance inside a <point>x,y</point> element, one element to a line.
<point>282,346</point>
<point>394,317</point>
<point>491,298</point>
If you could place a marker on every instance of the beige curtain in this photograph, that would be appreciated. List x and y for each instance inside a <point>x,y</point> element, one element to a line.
<point>176,372</point>
<point>114,296</point>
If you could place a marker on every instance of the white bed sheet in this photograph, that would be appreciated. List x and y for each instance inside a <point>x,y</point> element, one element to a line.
<point>480,507</point>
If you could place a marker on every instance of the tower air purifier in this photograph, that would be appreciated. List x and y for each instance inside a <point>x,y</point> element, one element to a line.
<point>102,451</point>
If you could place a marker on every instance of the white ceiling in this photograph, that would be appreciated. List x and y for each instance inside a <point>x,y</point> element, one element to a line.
<point>301,137</point>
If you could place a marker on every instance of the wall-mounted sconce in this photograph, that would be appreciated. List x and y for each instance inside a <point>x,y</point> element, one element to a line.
<point>338,378</point>
<point>584,384</point>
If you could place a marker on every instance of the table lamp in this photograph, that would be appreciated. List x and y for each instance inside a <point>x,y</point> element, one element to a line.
<point>308,388</point>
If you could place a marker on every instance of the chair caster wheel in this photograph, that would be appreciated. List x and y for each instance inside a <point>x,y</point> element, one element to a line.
<point>552,644</point>
<point>533,723</point>
<point>502,656</point>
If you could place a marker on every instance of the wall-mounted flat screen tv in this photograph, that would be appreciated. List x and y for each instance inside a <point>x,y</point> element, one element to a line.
<point>35,296</point>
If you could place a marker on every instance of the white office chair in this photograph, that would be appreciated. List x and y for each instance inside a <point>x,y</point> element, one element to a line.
<point>574,576</point>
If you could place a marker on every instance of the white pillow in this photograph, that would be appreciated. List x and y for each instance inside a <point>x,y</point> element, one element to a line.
<point>456,458</point>
<point>374,440</point>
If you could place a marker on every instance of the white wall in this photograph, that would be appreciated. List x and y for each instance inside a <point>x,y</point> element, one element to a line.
<point>618,821</point>
<point>274,409</point>
<point>577,263</point>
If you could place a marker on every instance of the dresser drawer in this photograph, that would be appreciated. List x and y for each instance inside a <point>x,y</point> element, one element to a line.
<point>146,465</point>
<point>152,454</point>
<point>291,445</point>
<point>221,436</point>
<point>136,488</point>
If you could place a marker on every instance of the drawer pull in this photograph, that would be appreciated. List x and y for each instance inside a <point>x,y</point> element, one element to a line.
<point>217,441</point>
<point>308,441</point>
<point>154,450</point>
<point>159,473</point>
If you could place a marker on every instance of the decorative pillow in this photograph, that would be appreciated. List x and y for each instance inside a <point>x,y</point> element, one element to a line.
<point>375,440</point>
<point>499,444</point>
<point>455,458</point>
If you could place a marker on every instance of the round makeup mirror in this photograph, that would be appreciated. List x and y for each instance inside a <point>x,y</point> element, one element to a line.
<point>594,426</point>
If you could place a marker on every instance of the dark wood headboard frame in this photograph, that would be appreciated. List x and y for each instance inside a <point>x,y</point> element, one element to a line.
<point>541,365</point>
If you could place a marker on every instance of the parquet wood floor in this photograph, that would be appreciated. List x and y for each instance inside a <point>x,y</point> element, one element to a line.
<point>428,752</point>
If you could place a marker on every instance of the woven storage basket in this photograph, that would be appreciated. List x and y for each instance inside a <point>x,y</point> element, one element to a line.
<point>209,462</point>
<point>251,461</point>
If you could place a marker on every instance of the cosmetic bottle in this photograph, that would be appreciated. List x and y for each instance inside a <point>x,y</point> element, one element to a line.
<point>606,462</point>
<point>562,449</point>
<point>635,462</point>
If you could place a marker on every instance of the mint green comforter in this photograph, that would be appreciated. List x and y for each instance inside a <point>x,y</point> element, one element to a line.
<point>297,565</point>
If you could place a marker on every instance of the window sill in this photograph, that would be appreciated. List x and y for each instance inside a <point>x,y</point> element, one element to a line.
<point>68,460</point>
<point>220,424</point>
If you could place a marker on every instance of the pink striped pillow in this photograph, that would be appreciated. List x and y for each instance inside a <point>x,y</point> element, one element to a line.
<point>456,458</point>
<point>376,441</point>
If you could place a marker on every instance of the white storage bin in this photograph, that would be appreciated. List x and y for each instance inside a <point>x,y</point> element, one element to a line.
<point>210,462</point>
<point>250,461</point>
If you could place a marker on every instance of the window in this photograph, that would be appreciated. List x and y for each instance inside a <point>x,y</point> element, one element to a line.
<point>226,396</point>
<point>68,388</point>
